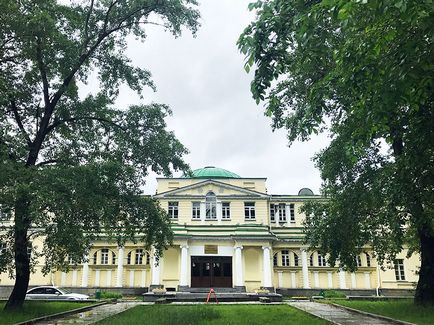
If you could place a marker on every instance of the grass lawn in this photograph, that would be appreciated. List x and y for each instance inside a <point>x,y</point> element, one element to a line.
<point>212,315</point>
<point>33,309</point>
<point>404,310</point>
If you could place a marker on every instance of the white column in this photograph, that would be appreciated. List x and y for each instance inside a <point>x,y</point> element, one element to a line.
<point>120,269</point>
<point>316,278</point>
<point>293,281</point>
<point>155,271</point>
<point>143,278</point>
<point>202,211</point>
<point>97,277</point>
<point>131,278</point>
<point>63,279</point>
<point>239,279</point>
<point>183,278</point>
<point>85,274</point>
<point>305,269</point>
<point>108,279</point>
<point>266,258</point>
<point>280,279</point>
<point>330,279</point>
<point>353,280</point>
<point>219,211</point>
<point>342,279</point>
<point>74,278</point>
<point>368,280</point>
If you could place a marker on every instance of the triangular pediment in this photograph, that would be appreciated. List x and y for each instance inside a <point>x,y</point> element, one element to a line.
<point>219,188</point>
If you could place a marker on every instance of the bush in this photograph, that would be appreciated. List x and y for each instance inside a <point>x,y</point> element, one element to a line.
<point>332,294</point>
<point>110,295</point>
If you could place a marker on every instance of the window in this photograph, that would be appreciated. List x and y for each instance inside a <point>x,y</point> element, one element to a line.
<point>95,256</point>
<point>399,270</point>
<point>358,261</point>
<point>368,260</point>
<point>226,210</point>
<point>282,212</point>
<point>311,260</point>
<point>173,210</point>
<point>285,258</point>
<point>129,258</point>
<point>195,213</point>
<point>275,259</point>
<point>291,212</point>
<point>113,258</point>
<point>295,259</point>
<point>138,257</point>
<point>104,255</point>
<point>249,210</point>
<point>210,206</point>
<point>148,259</point>
<point>321,260</point>
<point>272,213</point>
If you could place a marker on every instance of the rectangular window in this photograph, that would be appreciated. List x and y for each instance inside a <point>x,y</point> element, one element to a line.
<point>399,270</point>
<point>291,212</point>
<point>275,259</point>
<point>139,257</point>
<point>173,210</point>
<point>249,210</point>
<point>368,260</point>
<point>321,260</point>
<point>272,213</point>
<point>195,213</point>
<point>104,255</point>
<point>226,210</point>
<point>285,258</point>
<point>282,212</point>
<point>113,258</point>
<point>295,259</point>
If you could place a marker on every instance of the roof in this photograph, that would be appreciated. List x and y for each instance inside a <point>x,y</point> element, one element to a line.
<point>212,172</point>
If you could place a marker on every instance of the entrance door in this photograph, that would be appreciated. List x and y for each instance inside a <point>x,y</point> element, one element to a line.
<point>212,271</point>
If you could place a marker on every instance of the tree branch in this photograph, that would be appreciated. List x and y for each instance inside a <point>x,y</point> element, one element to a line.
<point>79,118</point>
<point>86,26</point>
<point>43,72</point>
<point>20,123</point>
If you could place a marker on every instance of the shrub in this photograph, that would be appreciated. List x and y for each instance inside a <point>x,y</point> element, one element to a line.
<point>332,294</point>
<point>110,295</point>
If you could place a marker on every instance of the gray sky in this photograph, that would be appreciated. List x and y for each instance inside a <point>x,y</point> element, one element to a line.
<point>214,115</point>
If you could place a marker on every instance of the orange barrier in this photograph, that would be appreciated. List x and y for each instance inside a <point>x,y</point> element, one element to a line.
<point>211,291</point>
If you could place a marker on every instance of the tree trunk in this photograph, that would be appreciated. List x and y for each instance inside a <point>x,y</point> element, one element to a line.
<point>22,260</point>
<point>425,286</point>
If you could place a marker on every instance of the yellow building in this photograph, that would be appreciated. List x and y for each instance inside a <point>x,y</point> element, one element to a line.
<point>228,232</point>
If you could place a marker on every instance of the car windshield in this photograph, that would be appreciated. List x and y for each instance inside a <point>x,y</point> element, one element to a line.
<point>64,290</point>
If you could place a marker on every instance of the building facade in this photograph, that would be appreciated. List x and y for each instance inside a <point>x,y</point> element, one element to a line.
<point>228,232</point>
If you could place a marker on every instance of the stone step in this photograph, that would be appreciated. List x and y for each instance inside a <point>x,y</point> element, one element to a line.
<point>201,297</point>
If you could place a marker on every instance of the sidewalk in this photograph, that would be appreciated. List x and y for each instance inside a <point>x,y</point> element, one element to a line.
<point>91,316</point>
<point>337,315</point>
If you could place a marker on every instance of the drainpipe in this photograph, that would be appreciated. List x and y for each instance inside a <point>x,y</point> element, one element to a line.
<point>377,289</point>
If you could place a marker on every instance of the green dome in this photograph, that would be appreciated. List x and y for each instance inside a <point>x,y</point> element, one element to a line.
<point>213,172</point>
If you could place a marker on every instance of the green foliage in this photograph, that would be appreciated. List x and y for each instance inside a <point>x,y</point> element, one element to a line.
<point>363,71</point>
<point>332,294</point>
<point>110,295</point>
<point>71,166</point>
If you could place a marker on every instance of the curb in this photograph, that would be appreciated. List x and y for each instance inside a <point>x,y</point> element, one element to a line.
<point>61,314</point>
<point>381,317</point>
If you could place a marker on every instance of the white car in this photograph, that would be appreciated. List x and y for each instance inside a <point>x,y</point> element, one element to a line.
<point>53,293</point>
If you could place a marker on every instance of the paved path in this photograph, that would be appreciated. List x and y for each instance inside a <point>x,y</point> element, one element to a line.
<point>337,315</point>
<point>92,316</point>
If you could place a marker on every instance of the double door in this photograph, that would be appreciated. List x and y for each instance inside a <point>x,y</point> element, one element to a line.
<point>211,271</point>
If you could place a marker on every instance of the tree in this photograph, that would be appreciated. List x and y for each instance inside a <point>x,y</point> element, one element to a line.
<point>71,165</point>
<point>363,71</point>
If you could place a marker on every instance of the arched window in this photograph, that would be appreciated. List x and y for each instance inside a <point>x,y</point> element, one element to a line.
<point>211,209</point>
<point>368,259</point>
<point>285,258</point>
<point>295,259</point>
<point>321,260</point>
